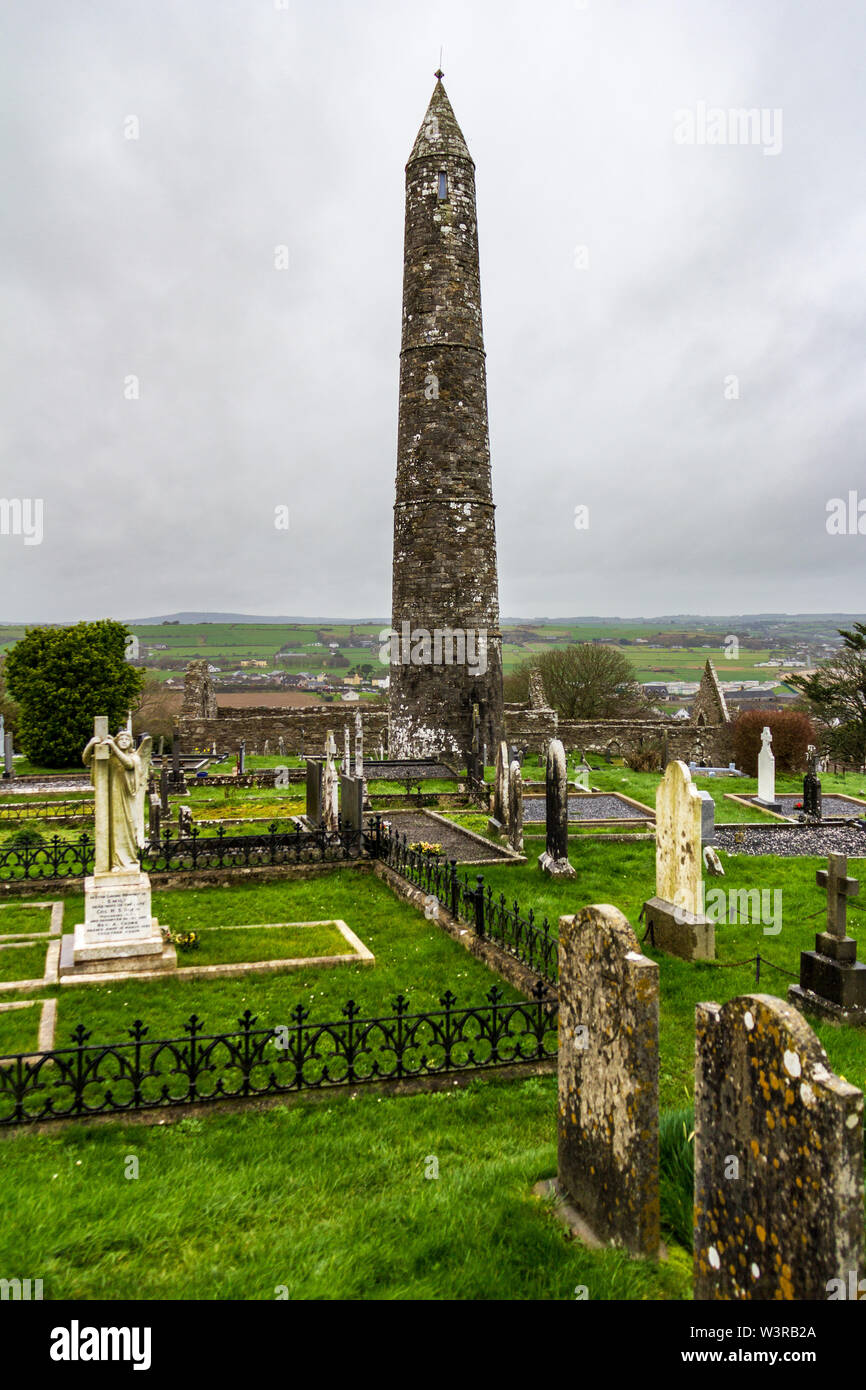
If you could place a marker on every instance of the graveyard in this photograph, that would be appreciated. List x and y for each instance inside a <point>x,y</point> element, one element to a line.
<point>275,948</point>
<point>455,890</point>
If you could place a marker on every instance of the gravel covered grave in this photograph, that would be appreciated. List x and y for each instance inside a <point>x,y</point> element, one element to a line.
<point>455,841</point>
<point>830,806</point>
<point>584,808</point>
<point>788,840</point>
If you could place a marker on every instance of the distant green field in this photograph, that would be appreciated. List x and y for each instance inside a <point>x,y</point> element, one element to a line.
<point>226,645</point>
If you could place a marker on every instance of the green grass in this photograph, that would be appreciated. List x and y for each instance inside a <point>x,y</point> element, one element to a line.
<point>16,919</point>
<point>413,957</point>
<point>19,1028</point>
<point>328,1200</point>
<point>624,874</point>
<point>22,962</point>
<point>230,946</point>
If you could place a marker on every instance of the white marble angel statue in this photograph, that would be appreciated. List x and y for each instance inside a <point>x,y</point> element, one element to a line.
<point>124,781</point>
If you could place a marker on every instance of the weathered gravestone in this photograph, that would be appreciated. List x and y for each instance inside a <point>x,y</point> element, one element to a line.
<point>767,774</point>
<point>330,786</point>
<point>778,1157</point>
<point>515,807</point>
<point>708,818</point>
<point>8,757</point>
<point>359,745</point>
<point>242,756</point>
<point>812,786</point>
<point>475,758</point>
<point>498,822</point>
<point>184,820</point>
<point>351,802</point>
<point>500,783</point>
<point>832,980</point>
<point>314,791</point>
<point>266,747</point>
<point>347,751</point>
<point>674,918</point>
<point>281,746</point>
<point>554,860</point>
<point>154,810</point>
<point>176,781</point>
<point>608,1138</point>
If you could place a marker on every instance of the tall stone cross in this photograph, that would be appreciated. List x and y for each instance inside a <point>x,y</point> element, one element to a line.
<point>839,889</point>
<point>101,797</point>
<point>359,745</point>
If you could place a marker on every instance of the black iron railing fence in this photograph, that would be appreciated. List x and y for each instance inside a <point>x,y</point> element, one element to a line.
<point>62,858</point>
<point>46,810</point>
<point>142,1074</point>
<point>531,942</point>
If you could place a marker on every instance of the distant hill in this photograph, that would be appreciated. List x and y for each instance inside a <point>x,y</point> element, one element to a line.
<point>244,618</point>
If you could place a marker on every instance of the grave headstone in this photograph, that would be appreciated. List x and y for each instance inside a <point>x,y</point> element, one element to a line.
<point>184,820</point>
<point>812,786</point>
<point>708,818</point>
<point>832,980</point>
<point>674,917</point>
<point>163,790</point>
<point>330,786</point>
<point>767,773</point>
<point>778,1157</point>
<point>242,756</point>
<point>8,757</point>
<point>608,1145</point>
<point>554,860</point>
<point>154,817</point>
<point>347,751</point>
<point>351,802</point>
<point>359,745</point>
<point>500,783</point>
<point>266,747</point>
<point>515,807</point>
<point>314,791</point>
<point>281,745</point>
<point>474,760</point>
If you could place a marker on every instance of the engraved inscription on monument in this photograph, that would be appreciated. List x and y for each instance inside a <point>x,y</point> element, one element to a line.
<point>113,916</point>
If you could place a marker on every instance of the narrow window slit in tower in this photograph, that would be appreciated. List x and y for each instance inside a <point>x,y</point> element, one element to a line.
<point>443,186</point>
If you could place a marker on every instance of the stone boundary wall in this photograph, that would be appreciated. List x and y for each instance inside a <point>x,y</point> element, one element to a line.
<point>260,722</point>
<point>712,742</point>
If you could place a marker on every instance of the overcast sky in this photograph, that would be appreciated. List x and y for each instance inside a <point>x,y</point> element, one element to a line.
<point>608,369</point>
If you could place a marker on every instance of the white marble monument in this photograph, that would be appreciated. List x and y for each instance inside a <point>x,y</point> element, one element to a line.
<point>767,773</point>
<point>119,932</point>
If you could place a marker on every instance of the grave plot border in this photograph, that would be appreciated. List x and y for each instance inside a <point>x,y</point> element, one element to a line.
<point>55,926</point>
<point>359,955</point>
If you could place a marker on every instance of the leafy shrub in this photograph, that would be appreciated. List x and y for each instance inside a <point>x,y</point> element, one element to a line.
<point>646,759</point>
<point>792,732</point>
<point>28,837</point>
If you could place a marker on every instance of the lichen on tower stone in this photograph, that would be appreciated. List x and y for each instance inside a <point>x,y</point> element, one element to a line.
<point>444,570</point>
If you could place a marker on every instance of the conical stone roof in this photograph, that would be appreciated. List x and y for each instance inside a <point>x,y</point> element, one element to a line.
<point>440,134</point>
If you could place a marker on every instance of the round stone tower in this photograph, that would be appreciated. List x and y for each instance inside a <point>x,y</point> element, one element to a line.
<point>445,643</point>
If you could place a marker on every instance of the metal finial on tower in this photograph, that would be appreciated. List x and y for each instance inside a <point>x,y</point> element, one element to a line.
<point>439,74</point>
